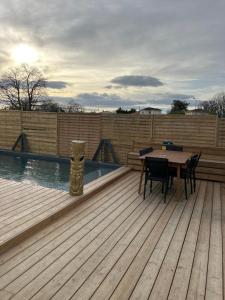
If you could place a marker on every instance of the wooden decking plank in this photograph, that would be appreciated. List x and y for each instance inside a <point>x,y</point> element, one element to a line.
<point>147,262</point>
<point>13,195</point>
<point>29,216</point>
<point>77,272</point>
<point>63,223</point>
<point>222,194</point>
<point>4,295</point>
<point>82,212</point>
<point>164,278</point>
<point>45,217</point>
<point>138,234</point>
<point>31,204</point>
<point>117,245</point>
<point>21,199</point>
<point>41,217</point>
<point>26,219</point>
<point>39,201</point>
<point>64,268</point>
<point>196,289</point>
<point>64,244</point>
<point>7,184</point>
<point>10,190</point>
<point>135,251</point>
<point>181,278</point>
<point>67,255</point>
<point>214,286</point>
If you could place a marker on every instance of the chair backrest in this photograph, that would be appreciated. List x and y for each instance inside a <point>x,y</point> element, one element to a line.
<point>167,143</point>
<point>174,148</point>
<point>145,151</point>
<point>196,158</point>
<point>157,167</point>
<point>193,162</point>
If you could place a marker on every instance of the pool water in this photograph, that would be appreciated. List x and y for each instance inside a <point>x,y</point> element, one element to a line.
<point>47,173</point>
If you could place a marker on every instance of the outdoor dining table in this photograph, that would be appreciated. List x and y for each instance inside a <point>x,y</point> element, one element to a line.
<point>177,159</point>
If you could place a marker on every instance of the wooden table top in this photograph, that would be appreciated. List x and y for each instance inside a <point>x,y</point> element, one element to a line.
<point>176,157</point>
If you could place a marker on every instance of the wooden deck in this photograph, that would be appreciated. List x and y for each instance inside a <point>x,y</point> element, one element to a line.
<point>25,207</point>
<point>118,246</point>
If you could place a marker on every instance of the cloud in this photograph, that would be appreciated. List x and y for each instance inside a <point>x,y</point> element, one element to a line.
<point>114,101</point>
<point>166,99</point>
<point>177,43</point>
<point>56,85</point>
<point>137,81</point>
<point>110,86</point>
<point>104,100</point>
<point>98,99</point>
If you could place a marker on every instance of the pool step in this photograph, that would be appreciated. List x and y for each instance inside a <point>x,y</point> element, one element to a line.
<point>25,208</point>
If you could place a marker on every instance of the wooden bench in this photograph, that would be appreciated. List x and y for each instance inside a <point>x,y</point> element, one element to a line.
<point>211,165</point>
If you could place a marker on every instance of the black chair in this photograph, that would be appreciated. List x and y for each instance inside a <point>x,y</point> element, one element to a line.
<point>145,151</point>
<point>156,169</point>
<point>195,160</point>
<point>188,174</point>
<point>174,148</point>
<point>167,143</point>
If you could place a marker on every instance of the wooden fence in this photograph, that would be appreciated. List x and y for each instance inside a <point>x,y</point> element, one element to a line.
<point>52,133</point>
<point>86,127</point>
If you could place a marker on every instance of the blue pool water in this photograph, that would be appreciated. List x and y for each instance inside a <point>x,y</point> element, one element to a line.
<point>50,173</point>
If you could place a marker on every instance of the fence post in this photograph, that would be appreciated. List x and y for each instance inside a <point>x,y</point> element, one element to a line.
<point>77,168</point>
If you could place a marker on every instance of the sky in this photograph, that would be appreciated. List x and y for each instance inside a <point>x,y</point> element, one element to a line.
<point>105,54</point>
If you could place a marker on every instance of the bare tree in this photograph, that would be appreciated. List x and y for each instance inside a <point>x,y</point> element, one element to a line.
<point>72,107</point>
<point>216,105</point>
<point>22,87</point>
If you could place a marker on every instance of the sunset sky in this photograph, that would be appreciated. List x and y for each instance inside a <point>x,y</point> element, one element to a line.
<point>115,53</point>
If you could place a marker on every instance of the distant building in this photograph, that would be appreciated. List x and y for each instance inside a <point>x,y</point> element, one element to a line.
<point>196,112</point>
<point>150,111</point>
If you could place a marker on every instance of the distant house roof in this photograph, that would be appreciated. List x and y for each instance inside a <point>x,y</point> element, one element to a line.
<point>151,108</point>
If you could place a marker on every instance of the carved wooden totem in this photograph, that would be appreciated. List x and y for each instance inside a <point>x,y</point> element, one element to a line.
<point>77,168</point>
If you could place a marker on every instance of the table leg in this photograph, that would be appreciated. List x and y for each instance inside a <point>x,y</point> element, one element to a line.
<point>141,177</point>
<point>178,183</point>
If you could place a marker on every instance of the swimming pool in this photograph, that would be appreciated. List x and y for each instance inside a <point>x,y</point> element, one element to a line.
<point>46,171</point>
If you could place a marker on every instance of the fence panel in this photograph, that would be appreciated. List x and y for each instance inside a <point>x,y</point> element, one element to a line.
<point>185,130</point>
<point>123,130</point>
<point>10,128</point>
<point>77,126</point>
<point>41,131</point>
<point>221,133</point>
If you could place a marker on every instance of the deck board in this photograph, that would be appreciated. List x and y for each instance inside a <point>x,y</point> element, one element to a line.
<point>214,286</point>
<point>28,209</point>
<point>118,246</point>
<point>200,265</point>
<point>63,247</point>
